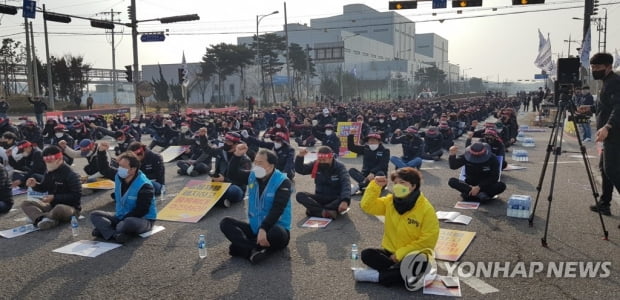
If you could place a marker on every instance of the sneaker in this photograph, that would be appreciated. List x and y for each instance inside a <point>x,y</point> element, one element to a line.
<point>603,209</point>
<point>354,189</point>
<point>258,255</point>
<point>47,223</point>
<point>587,140</point>
<point>366,275</point>
<point>330,214</point>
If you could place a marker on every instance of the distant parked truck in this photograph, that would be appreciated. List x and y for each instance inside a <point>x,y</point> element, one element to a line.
<point>427,95</point>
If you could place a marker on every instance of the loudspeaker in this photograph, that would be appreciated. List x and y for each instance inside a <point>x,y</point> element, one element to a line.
<point>568,70</point>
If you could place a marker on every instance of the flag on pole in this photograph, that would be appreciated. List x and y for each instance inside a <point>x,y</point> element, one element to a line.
<point>185,71</point>
<point>541,45</point>
<point>544,61</point>
<point>616,59</point>
<point>584,52</point>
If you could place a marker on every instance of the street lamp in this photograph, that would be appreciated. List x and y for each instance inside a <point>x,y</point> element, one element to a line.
<point>258,58</point>
<point>464,79</point>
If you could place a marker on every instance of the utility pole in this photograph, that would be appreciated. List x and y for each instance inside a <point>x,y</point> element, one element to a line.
<point>113,43</point>
<point>50,84</point>
<point>134,45</point>
<point>308,72</point>
<point>288,58</point>
<point>35,71</point>
<point>28,62</point>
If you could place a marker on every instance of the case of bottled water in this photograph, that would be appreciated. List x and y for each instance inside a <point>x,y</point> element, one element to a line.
<point>528,142</point>
<point>519,206</point>
<point>520,155</point>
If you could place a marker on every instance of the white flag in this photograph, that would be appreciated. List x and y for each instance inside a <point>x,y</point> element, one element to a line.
<point>541,45</point>
<point>584,52</point>
<point>616,59</point>
<point>185,71</point>
<point>545,60</point>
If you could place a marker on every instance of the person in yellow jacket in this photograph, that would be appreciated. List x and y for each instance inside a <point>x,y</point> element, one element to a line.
<point>410,225</point>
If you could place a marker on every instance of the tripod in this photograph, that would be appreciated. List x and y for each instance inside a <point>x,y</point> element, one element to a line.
<point>555,146</point>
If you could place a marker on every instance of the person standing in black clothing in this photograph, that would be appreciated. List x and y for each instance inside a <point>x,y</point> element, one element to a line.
<point>4,107</point>
<point>39,108</point>
<point>608,127</point>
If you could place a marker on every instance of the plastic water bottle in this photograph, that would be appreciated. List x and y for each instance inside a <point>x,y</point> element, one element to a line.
<point>75,230</point>
<point>355,257</point>
<point>162,195</point>
<point>202,246</point>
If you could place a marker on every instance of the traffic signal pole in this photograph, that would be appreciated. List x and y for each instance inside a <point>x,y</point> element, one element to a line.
<point>134,44</point>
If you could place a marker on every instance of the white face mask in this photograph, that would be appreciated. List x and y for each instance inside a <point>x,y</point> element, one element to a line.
<point>381,120</point>
<point>315,122</point>
<point>278,125</point>
<point>184,129</point>
<point>393,118</point>
<point>59,134</point>
<point>259,172</point>
<point>135,124</point>
<point>373,147</point>
<point>329,132</point>
<point>78,130</point>
<point>277,145</point>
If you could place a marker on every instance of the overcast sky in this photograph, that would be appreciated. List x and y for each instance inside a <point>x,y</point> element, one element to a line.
<point>493,45</point>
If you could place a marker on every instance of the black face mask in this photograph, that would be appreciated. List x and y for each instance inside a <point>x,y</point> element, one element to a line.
<point>227,147</point>
<point>598,75</point>
<point>324,166</point>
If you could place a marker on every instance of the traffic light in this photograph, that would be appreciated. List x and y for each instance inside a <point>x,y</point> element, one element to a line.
<point>397,5</point>
<point>526,2</point>
<point>128,73</point>
<point>466,3</point>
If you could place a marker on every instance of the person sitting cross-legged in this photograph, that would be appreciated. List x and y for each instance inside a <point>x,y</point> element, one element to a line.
<point>135,203</point>
<point>482,173</point>
<point>269,208</point>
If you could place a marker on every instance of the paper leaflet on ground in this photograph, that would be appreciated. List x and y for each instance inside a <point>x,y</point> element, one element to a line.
<point>453,217</point>
<point>172,152</point>
<point>314,222</point>
<point>156,229</point>
<point>34,195</point>
<point>452,244</point>
<point>18,231</point>
<point>18,191</point>
<point>193,202</point>
<point>104,184</point>
<point>511,167</point>
<point>467,205</point>
<point>87,248</point>
<point>436,287</point>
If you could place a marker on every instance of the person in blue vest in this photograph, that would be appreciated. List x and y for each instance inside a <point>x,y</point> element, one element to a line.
<point>269,209</point>
<point>135,204</point>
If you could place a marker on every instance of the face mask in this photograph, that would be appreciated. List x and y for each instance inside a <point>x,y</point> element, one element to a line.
<point>259,172</point>
<point>373,147</point>
<point>326,114</point>
<point>78,130</point>
<point>278,126</point>
<point>400,191</point>
<point>277,145</point>
<point>135,124</point>
<point>393,118</point>
<point>184,129</point>
<point>381,120</point>
<point>52,166</point>
<point>324,166</point>
<point>598,75</point>
<point>315,122</point>
<point>59,134</point>
<point>227,147</point>
<point>329,132</point>
<point>122,172</point>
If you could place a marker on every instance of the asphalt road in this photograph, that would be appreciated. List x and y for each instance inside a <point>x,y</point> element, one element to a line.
<point>316,264</point>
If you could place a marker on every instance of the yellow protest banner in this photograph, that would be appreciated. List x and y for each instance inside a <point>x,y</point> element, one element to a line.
<point>344,129</point>
<point>452,244</point>
<point>105,184</point>
<point>193,202</point>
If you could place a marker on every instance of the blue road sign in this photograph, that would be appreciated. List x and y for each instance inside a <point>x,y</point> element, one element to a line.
<point>153,37</point>
<point>440,4</point>
<point>29,9</point>
<point>541,76</point>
